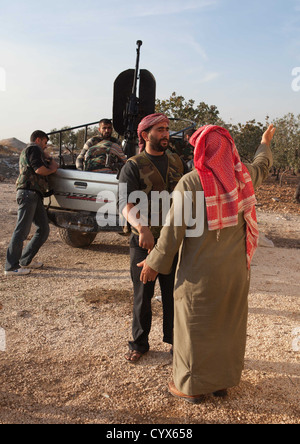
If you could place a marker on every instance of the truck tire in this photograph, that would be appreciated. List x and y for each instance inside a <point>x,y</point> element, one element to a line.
<point>76,239</point>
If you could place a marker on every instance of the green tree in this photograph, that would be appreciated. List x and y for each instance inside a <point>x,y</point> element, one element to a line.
<point>178,107</point>
<point>286,143</point>
<point>247,138</point>
<point>71,141</point>
<point>68,138</point>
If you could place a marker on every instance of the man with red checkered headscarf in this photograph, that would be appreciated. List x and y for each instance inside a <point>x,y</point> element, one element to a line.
<point>153,170</point>
<point>147,123</point>
<point>213,273</point>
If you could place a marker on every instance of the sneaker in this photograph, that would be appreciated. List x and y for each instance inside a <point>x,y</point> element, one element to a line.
<point>18,272</point>
<point>33,265</point>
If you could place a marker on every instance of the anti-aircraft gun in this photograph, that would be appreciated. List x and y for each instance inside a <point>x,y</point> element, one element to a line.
<point>128,107</point>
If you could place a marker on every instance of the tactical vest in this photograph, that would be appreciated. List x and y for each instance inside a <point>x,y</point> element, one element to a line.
<point>152,180</point>
<point>28,179</point>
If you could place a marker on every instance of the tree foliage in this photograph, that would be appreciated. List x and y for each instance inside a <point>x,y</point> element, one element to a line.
<point>247,136</point>
<point>71,141</point>
<point>68,139</point>
<point>286,143</point>
<point>178,108</point>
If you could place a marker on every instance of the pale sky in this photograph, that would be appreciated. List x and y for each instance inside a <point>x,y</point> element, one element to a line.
<point>59,59</point>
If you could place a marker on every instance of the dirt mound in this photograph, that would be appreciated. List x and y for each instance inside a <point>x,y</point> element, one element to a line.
<point>11,145</point>
<point>4,150</point>
<point>10,150</point>
<point>9,167</point>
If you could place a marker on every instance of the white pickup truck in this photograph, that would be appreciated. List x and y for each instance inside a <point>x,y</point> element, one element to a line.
<point>78,198</point>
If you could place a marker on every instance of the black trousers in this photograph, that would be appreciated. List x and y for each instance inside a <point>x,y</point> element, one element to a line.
<point>143,294</point>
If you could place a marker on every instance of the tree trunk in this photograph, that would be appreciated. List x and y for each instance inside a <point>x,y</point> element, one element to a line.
<point>281,177</point>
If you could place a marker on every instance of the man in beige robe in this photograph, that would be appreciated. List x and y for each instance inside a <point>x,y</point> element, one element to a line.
<point>211,291</point>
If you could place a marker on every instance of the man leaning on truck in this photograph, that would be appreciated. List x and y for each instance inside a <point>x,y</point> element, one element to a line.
<point>32,185</point>
<point>105,133</point>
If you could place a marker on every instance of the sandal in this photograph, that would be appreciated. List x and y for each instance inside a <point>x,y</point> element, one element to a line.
<point>133,356</point>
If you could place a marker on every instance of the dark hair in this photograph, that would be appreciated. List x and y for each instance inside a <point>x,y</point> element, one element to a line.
<point>105,122</point>
<point>38,134</point>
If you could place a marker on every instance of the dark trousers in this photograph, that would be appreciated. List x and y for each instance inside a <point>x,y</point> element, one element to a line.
<point>31,211</point>
<point>143,294</point>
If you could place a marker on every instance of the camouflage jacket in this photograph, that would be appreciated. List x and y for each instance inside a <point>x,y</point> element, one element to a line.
<point>93,141</point>
<point>28,179</point>
<point>105,157</point>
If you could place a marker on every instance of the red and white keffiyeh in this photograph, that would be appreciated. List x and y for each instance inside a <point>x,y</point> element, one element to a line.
<point>226,183</point>
<point>148,122</point>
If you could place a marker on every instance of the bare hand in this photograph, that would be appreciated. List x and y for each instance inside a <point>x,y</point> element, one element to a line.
<point>147,274</point>
<point>146,239</point>
<point>268,135</point>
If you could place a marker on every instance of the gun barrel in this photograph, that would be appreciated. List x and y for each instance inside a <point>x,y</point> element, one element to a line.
<point>134,97</point>
<point>136,73</point>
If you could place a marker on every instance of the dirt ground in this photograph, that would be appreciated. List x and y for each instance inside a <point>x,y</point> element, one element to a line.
<point>67,327</point>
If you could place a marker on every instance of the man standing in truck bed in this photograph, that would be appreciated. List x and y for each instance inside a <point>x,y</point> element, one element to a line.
<point>105,133</point>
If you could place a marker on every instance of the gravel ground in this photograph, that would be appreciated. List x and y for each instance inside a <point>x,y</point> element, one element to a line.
<point>67,328</point>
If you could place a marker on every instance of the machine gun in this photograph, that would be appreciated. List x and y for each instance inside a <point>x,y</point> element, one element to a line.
<point>128,108</point>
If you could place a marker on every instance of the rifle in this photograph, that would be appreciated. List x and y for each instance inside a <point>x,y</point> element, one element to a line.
<point>128,109</point>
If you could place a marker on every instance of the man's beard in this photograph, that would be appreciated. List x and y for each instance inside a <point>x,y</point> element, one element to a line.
<point>156,145</point>
<point>106,136</point>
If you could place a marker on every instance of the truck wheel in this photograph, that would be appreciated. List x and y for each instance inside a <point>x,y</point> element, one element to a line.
<point>76,239</point>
